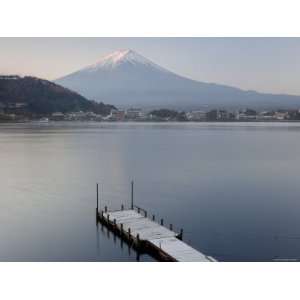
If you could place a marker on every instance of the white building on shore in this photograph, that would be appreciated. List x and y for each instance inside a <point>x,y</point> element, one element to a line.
<point>196,115</point>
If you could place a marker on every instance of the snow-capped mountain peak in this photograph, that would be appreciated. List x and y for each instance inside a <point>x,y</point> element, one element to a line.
<point>121,57</point>
<point>127,79</point>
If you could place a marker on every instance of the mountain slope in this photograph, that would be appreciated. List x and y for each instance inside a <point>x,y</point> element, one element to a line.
<point>126,78</point>
<point>45,97</point>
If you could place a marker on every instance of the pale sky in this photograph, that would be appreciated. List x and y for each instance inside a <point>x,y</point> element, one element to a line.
<point>262,64</point>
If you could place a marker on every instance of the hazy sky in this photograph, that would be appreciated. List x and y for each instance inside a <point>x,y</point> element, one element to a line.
<point>262,64</point>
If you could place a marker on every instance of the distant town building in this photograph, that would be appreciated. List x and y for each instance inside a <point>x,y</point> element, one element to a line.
<point>281,115</point>
<point>223,115</point>
<point>133,113</point>
<point>212,115</point>
<point>265,116</point>
<point>117,115</point>
<point>245,117</point>
<point>57,116</point>
<point>196,115</point>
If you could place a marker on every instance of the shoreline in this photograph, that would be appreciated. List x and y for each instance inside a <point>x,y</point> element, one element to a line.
<point>149,122</point>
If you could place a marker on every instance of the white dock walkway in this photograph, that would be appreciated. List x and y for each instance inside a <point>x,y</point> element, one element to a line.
<point>161,238</point>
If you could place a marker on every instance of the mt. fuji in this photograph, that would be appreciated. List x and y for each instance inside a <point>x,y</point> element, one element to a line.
<point>125,79</point>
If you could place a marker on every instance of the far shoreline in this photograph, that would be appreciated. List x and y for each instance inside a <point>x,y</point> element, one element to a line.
<point>37,122</point>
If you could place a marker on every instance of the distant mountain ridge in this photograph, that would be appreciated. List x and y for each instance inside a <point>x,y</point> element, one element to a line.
<point>45,97</point>
<point>126,78</point>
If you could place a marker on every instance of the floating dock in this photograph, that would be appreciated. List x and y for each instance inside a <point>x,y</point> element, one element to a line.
<point>143,233</point>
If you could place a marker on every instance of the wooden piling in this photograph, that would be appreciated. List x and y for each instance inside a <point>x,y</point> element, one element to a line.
<point>181,234</point>
<point>153,217</point>
<point>97,199</point>
<point>132,194</point>
<point>122,207</point>
<point>162,222</point>
<point>171,226</point>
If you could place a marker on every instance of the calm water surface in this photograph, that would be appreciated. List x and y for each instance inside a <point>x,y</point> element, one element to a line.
<point>234,188</point>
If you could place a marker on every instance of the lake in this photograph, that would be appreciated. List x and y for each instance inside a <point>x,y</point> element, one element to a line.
<point>233,187</point>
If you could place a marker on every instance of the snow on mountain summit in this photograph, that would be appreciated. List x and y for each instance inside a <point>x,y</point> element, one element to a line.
<point>121,57</point>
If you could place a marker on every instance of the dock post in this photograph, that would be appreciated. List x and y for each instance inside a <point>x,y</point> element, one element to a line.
<point>171,226</point>
<point>105,209</point>
<point>115,222</point>
<point>181,234</point>
<point>121,228</point>
<point>97,200</point>
<point>129,232</point>
<point>153,217</point>
<point>162,222</point>
<point>122,207</point>
<point>132,194</point>
<point>145,214</point>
